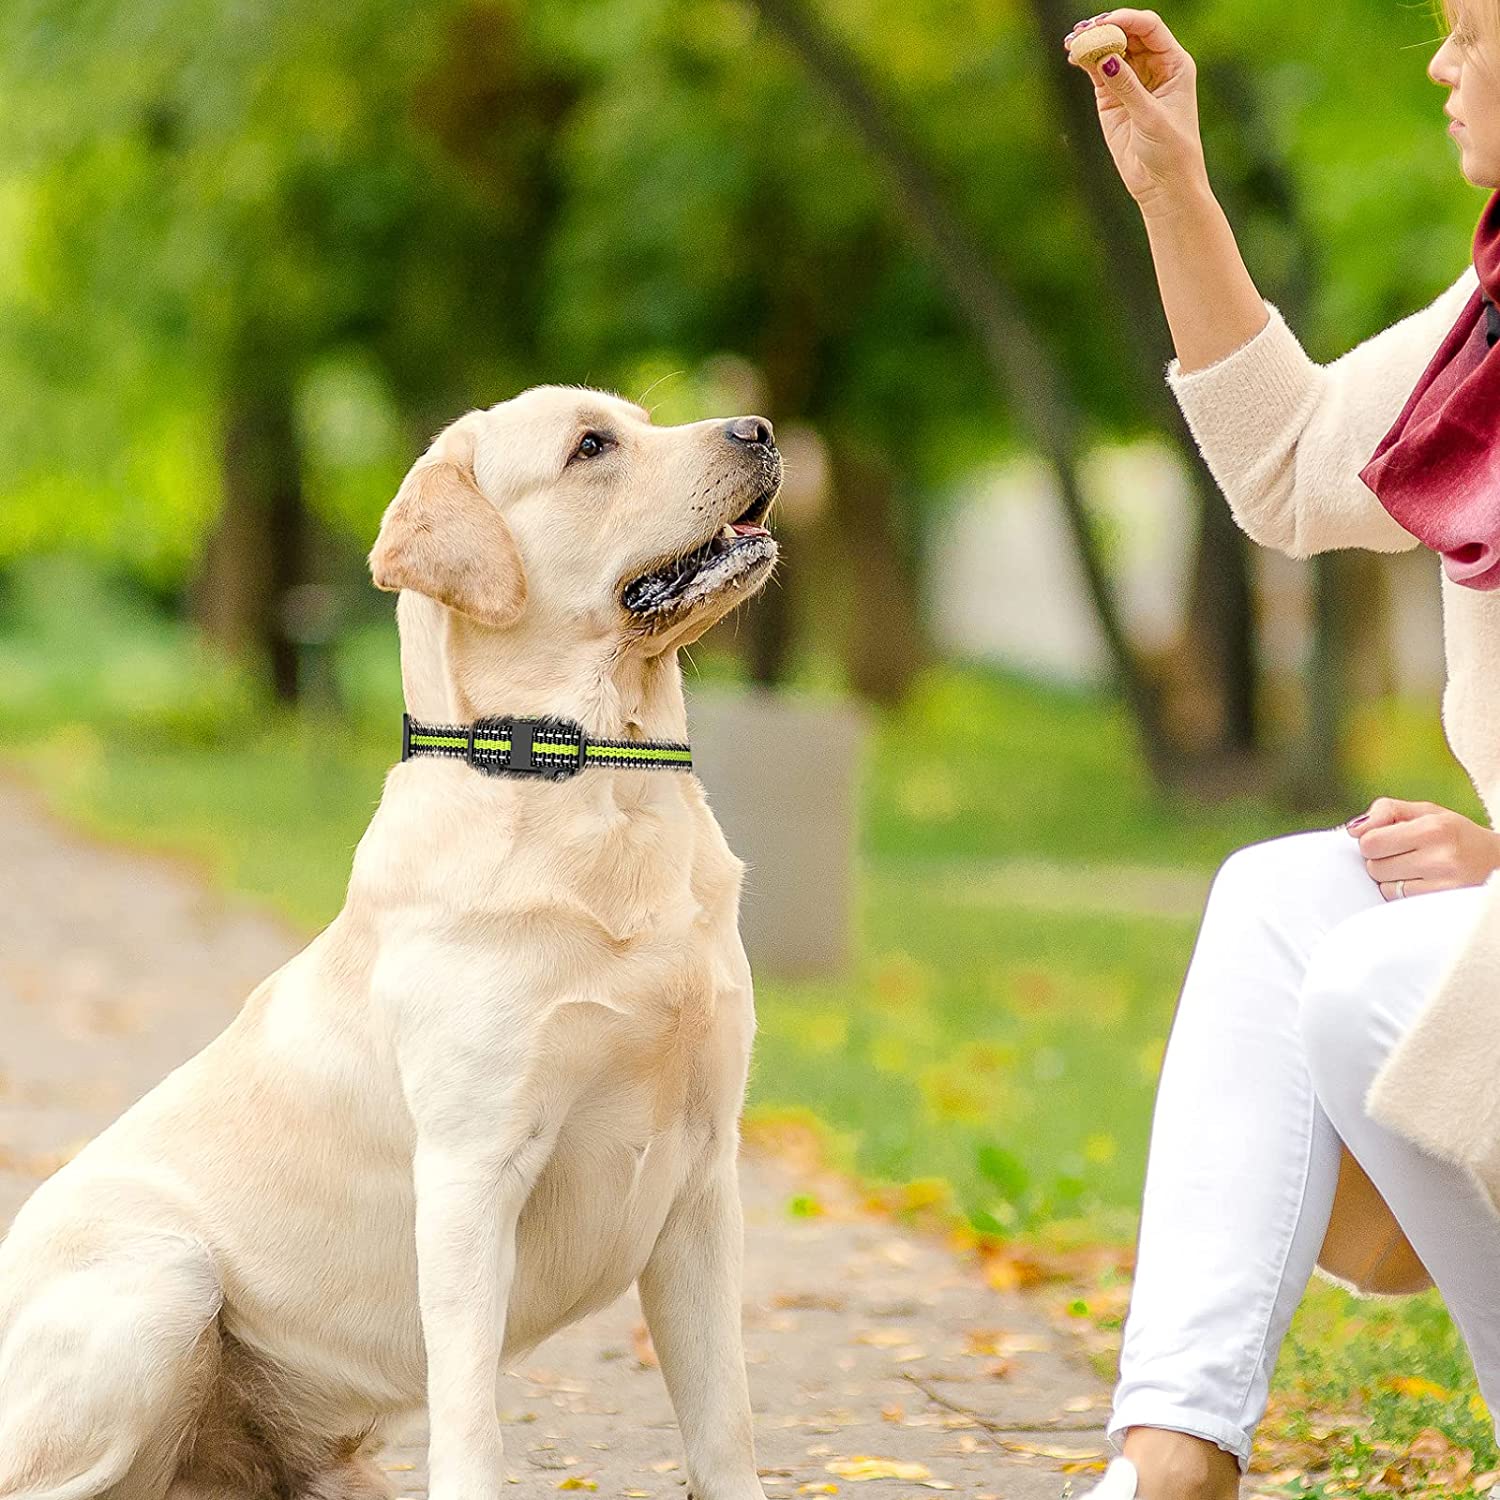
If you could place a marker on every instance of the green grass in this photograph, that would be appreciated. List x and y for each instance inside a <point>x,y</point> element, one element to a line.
<point>1012,1053</point>
<point>978,765</point>
<point>1008,1052</point>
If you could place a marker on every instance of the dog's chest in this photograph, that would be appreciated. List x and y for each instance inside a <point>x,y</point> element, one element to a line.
<point>633,1141</point>
<point>653,1078</point>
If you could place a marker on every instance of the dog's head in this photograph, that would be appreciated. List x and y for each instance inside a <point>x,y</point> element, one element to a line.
<point>566,511</point>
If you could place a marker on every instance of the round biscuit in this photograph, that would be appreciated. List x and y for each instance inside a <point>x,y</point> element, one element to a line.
<point>1090,47</point>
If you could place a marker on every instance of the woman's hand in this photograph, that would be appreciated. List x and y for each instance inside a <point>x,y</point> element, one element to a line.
<point>1428,847</point>
<point>1148,111</point>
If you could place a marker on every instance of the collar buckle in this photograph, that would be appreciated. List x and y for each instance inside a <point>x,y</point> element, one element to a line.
<point>550,749</point>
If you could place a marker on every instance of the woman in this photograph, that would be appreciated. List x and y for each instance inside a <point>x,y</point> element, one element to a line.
<point>1331,957</point>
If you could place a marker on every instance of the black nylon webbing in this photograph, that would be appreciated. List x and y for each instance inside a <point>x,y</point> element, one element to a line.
<point>540,747</point>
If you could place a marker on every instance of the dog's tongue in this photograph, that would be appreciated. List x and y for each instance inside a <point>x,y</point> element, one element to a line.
<point>749,528</point>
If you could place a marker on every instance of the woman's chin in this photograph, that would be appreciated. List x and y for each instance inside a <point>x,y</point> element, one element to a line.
<point>1478,172</point>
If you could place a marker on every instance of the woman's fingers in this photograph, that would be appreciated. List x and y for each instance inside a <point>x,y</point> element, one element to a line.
<point>1413,849</point>
<point>1418,865</point>
<point>1089,21</point>
<point>1152,54</point>
<point>1381,841</point>
<point>1146,29</point>
<point>1405,840</point>
<point>1385,810</point>
<point>1402,889</point>
<point>1425,849</point>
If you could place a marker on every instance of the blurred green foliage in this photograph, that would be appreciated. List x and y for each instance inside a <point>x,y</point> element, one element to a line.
<point>421,209</point>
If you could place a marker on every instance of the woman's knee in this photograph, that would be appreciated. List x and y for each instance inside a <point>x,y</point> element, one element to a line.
<point>1289,871</point>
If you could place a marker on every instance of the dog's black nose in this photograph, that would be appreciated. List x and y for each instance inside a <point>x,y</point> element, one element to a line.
<point>751,431</point>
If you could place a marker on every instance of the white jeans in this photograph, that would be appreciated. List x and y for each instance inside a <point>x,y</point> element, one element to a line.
<point>1302,981</point>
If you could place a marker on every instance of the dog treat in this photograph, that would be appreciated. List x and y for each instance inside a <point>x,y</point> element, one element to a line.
<point>1089,48</point>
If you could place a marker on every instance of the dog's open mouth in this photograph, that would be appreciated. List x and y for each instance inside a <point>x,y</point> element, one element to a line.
<point>732,555</point>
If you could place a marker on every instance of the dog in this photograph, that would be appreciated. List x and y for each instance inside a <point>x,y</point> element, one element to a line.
<point>500,1087</point>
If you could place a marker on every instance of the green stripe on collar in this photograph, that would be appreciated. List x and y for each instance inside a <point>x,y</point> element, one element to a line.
<point>550,748</point>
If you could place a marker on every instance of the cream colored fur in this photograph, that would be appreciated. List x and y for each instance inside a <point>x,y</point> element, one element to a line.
<point>503,1084</point>
<point>1286,438</point>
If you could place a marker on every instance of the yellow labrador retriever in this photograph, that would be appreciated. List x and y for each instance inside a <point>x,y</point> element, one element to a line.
<point>500,1087</point>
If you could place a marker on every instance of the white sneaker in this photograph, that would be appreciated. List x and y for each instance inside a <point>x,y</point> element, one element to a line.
<point>1119,1483</point>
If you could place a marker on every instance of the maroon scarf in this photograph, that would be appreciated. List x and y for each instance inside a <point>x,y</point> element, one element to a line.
<point>1438,469</point>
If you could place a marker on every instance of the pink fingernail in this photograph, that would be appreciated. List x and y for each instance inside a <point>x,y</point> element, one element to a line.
<point>1111,66</point>
<point>1354,823</point>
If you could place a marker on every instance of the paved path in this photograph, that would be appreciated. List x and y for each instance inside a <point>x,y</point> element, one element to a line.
<point>114,967</point>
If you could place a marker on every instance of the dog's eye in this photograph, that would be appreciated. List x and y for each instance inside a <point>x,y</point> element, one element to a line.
<point>592,444</point>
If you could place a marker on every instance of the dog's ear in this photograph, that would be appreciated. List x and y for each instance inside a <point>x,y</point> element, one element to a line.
<point>441,537</point>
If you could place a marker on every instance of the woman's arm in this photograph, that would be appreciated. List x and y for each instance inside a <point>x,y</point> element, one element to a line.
<point>1212,305</point>
<point>1284,437</point>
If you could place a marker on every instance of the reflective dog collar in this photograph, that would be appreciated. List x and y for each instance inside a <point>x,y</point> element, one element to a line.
<point>550,748</point>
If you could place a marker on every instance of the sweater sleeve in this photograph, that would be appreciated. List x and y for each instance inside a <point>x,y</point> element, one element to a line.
<point>1285,438</point>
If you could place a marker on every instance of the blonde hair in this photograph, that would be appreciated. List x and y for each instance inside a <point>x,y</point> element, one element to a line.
<point>1458,17</point>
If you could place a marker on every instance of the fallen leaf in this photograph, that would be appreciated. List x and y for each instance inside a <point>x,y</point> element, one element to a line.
<point>885,1338</point>
<point>1049,1450</point>
<point>863,1467</point>
<point>807,1302</point>
<point>996,1342</point>
<point>1429,1444</point>
<point>577,1482</point>
<point>1417,1388</point>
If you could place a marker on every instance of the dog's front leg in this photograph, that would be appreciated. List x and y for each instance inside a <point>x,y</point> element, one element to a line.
<point>691,1295</point>
<point>467,1205</point>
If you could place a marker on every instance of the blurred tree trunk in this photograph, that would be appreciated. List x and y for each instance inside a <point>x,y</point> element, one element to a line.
<point>1020,364</point>
<point>770,628</point>
<point>255,552</point>
<point>883,643</point>
<point>785,375</point>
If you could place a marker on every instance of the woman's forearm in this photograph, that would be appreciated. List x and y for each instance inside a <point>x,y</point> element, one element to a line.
<point>1211,303</point>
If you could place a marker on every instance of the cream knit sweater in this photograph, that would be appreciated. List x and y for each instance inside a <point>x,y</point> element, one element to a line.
<point>1285,438</point>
